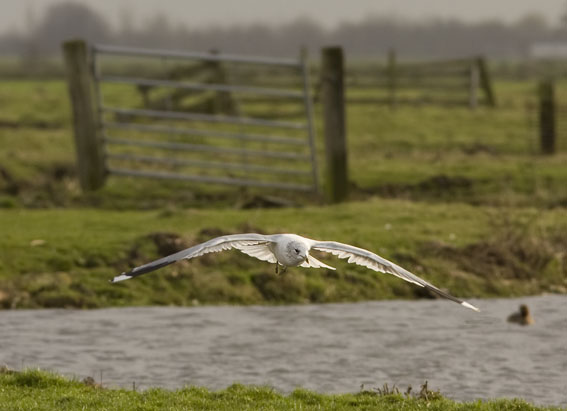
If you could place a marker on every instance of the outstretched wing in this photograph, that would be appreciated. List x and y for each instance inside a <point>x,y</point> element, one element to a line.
<point>370,260</point>
<point>256,245</point>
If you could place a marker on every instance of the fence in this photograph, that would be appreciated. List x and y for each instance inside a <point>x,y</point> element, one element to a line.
<point>464,82</point>
<point>141,123</point>
<point>549,116</point>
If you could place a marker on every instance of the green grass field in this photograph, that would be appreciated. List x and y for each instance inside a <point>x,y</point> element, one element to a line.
<point>434,189</point>
<point>39,390</point>
<point>482,157</point>
<point>459,197</point>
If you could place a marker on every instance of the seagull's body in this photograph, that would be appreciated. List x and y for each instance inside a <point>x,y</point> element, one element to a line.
<point>289,250</point>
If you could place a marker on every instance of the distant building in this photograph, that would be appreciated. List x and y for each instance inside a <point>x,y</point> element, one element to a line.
<point>548,50</point>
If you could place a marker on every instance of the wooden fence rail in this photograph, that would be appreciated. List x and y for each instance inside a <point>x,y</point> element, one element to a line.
<point>445,82</point>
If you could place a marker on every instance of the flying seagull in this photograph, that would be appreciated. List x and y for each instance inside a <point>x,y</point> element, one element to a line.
<point>289,250</point>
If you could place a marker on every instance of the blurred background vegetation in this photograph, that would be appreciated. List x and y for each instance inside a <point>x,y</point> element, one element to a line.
<point>459,196</point>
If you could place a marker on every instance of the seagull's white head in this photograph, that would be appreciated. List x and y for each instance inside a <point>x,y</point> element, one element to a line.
<point>296,253</point>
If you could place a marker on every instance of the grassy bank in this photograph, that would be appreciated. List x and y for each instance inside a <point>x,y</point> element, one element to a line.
<point>59,257</point>
<point>38,390</point>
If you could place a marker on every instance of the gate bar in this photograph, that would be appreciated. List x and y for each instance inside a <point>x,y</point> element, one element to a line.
<point>176,115</point>
<point>202,86</point>
<point>207,179</point>
<point>207,164</point>
<point>135,51</point>
<point>199,147</point>
<point>205,133</point>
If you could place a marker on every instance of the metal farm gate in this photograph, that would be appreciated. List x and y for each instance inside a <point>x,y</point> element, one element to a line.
<point>205,117</point>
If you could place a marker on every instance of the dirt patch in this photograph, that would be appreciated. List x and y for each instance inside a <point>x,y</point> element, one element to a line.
<point>145,247</point>
<point>439,186</point>
<point>39,124</point>
<point>4,296</point>
<point>165,244</point>
<point>444,183</point>
<point>61,171</point>
<point>264,201</point>
<point>521,257</point>
<point>90,382</point>
<point>51,185</point>
<point>281,288</point>
<point>8,184</point>
<point>168,243</point>
<point>479,148</point>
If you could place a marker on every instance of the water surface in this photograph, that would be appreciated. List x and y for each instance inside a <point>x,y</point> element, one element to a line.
<point>329,348</point>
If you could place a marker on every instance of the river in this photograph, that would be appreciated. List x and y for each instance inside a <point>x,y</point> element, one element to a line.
<point>329,348</point>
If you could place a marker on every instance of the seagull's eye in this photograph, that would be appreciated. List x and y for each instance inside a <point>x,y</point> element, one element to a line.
<point>296,251</point>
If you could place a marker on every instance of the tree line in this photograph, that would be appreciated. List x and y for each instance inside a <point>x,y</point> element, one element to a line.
<point>371,37</point>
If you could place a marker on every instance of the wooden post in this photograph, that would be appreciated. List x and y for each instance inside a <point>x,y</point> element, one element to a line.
<point>223,101</point>
<point>88,145</point>
<point>333,99</point>
<point>473,85</point>
<point>392,77</point>
<point>547,116</point>
<point>308,103</point>
<point>485,81</point>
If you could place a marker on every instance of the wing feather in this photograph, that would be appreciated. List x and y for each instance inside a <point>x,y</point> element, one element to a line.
<point>314,263</point>
<point>226,242</point>
<point>374,262</point>
<point>260,251</point>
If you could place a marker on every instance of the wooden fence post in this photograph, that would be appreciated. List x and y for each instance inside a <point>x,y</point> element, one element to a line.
<point>485,81</point>
<point>88,145</point>
<point>333,99</point>
<point>392,77</point>
<point>223,101</point>
<point>547,116</point>
<point>473,85</point>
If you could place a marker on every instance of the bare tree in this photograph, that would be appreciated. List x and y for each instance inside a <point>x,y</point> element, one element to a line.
<point>66,20</point>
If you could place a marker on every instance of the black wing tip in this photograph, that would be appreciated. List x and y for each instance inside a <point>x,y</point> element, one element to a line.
<point>147,268</point>
<point>448,296</point>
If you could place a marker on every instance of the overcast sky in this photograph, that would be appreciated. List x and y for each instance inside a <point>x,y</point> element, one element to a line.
<point>199,13</point>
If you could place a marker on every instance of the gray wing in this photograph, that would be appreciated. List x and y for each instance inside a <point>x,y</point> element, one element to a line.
<point>370,260</point>
<point>255,245</point>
